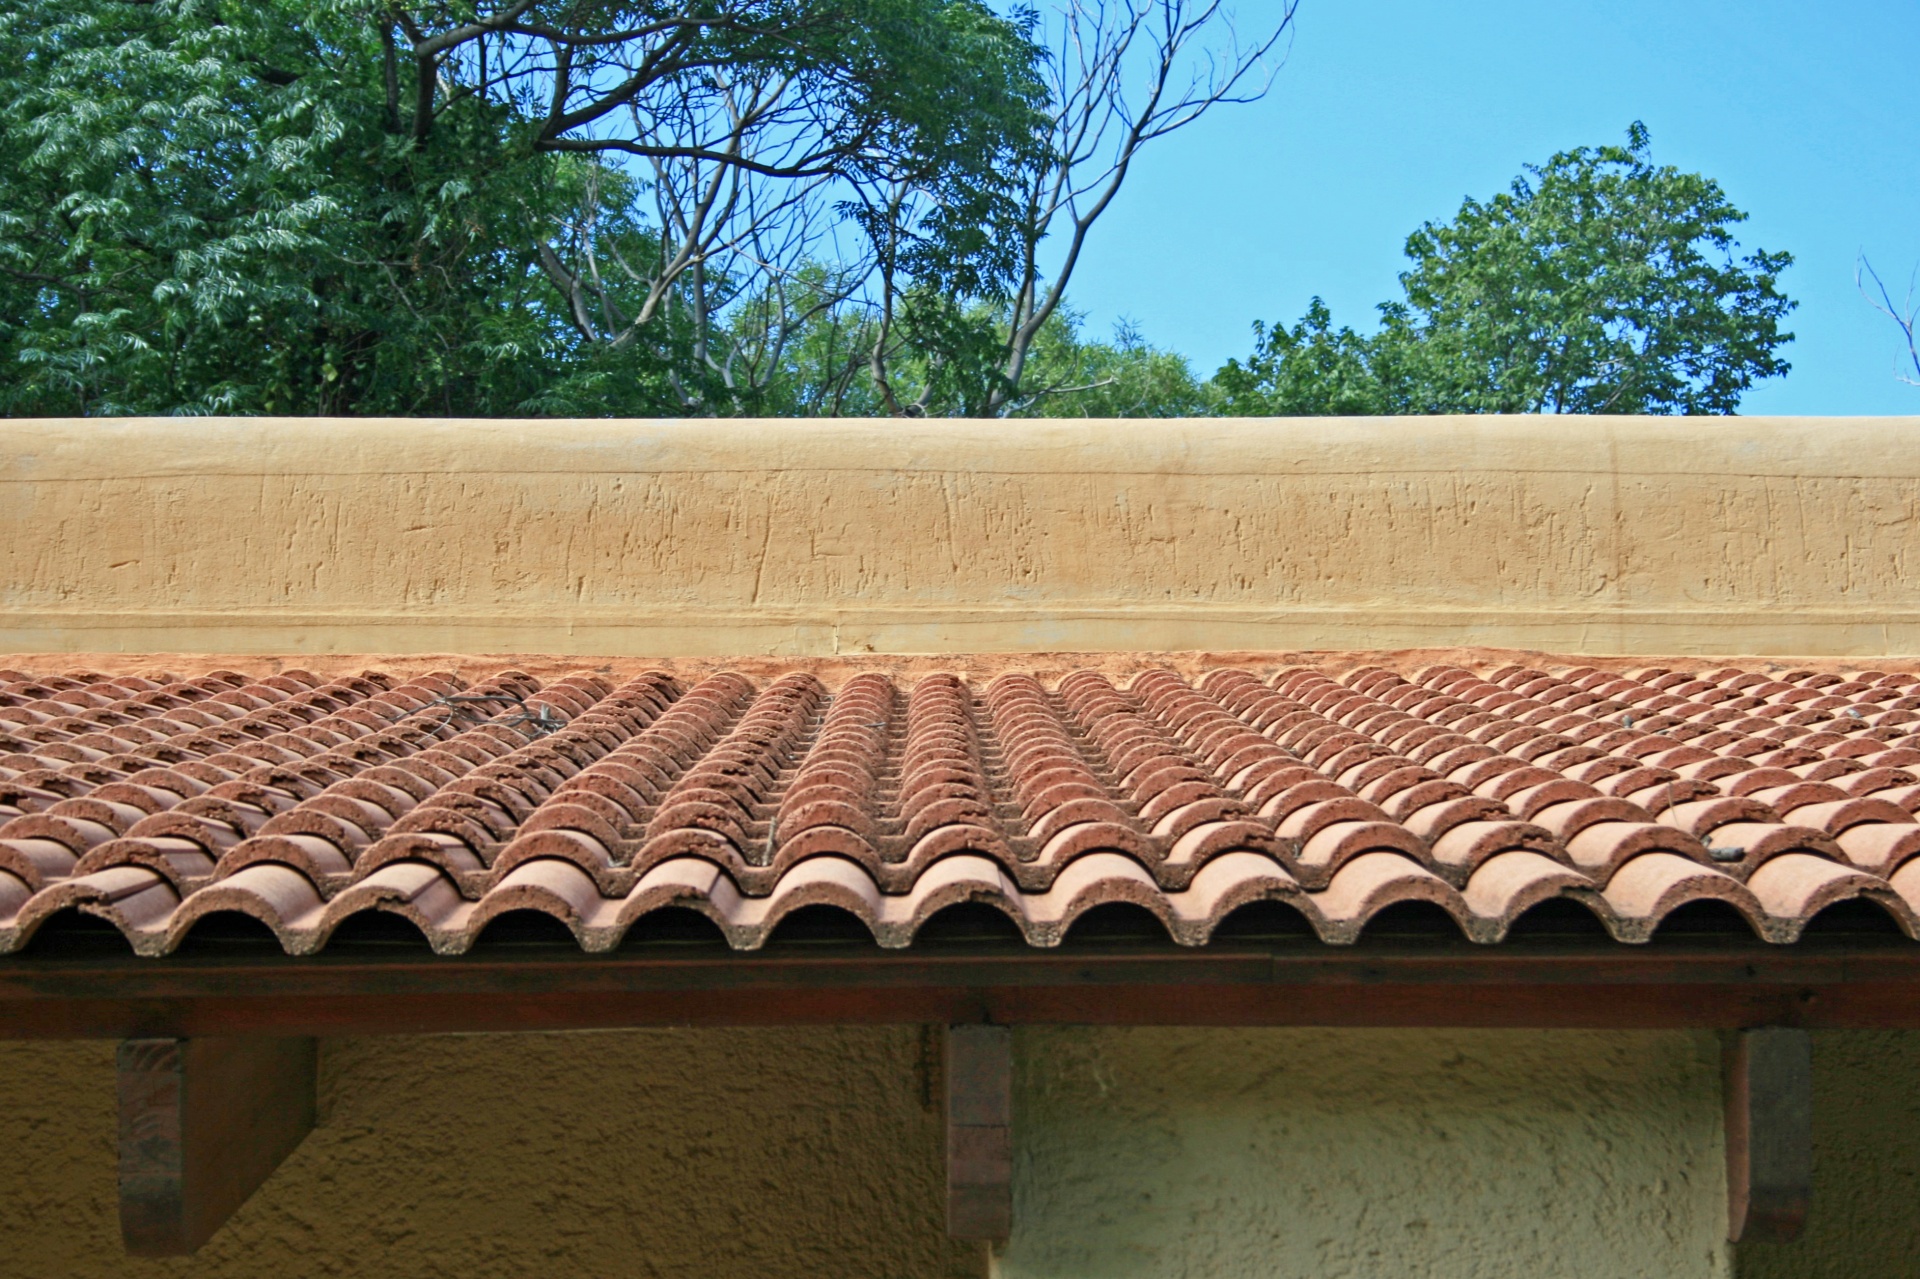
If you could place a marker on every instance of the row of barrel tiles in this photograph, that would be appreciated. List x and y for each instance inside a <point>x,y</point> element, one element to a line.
<point>308,800</point>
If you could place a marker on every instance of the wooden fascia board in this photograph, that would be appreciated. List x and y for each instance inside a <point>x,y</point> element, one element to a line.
<point>1608,986</point>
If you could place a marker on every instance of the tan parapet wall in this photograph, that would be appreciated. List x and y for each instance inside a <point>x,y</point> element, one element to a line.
<point>1768,536</point>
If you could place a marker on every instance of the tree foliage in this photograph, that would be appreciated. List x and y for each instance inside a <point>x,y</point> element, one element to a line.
<point>1599,283</point>
<point>337,206</point>
<point>1121,75</point>
<point>809,207</point>
<point>548,206</point>
<point>1307,370</point>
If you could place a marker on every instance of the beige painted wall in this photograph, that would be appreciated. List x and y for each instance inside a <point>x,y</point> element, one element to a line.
<point>764,1154</point>
<point>1442,1154</point>
<point>1866,1164</point>
<point>710,1154</point>
<point>1727,535</point>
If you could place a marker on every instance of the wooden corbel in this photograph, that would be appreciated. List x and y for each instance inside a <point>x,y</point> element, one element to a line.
<point>202,1123</point>
<point>1768,1091</point>
<point>979,1087</point>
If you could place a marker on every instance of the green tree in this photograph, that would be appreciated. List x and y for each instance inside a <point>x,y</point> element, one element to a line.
<point>1069,375</point>
<point>150,214</point>
<point>443,206</point>
<point>1308,370</point>
<point>1120,76</point>
<point>1599,283</point>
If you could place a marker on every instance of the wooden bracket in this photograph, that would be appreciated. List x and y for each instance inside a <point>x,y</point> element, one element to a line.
<point>202,1123</point>
<point>1769,1098</point>
<point>979,1078</point>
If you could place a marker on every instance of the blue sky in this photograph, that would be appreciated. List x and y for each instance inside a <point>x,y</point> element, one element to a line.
<point>1389,112</point>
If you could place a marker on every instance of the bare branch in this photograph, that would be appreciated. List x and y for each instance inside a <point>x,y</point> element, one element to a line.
<point>1037,396</point>
<point>1126,72</point>
<point>432,46</point>
<point>1903,315</point>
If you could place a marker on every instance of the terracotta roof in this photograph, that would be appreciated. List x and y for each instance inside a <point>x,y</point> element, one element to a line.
<point>155,802</point>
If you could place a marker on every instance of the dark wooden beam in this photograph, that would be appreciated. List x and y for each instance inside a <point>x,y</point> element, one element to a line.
<point>979,1086</point>
<point>202,1123</point>
<point>347,991</point>
<point>1769,1101</point>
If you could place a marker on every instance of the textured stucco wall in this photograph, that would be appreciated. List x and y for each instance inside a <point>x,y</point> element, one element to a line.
<point>1139,1153</point>
<point>1866,1164</point>
<point>665,1154</point>
<point>1284,1154</point>
<point>1729,535</point>
<point>1162,1153</point>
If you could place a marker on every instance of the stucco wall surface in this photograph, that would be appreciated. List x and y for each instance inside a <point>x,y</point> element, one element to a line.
<point>1600,535</point>
<point>1347,1155</point>
<point>747,1153</point>
<point>662,1154</point>
<point>1866,1164</point>
<point>1228,1154</point>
